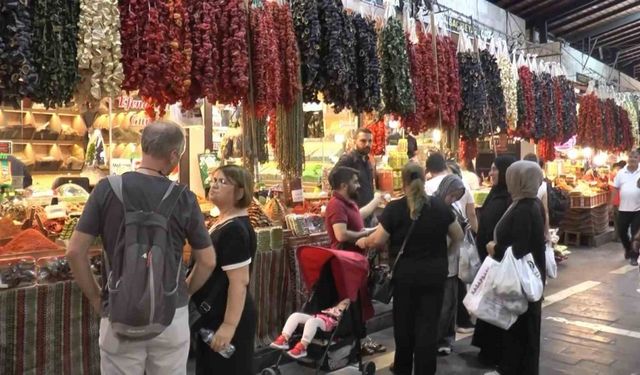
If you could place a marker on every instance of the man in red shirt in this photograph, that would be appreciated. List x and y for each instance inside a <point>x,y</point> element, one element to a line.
<point>344,221</point>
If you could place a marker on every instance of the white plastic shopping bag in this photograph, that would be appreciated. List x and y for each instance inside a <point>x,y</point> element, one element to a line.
<point>506,283</point>
<point>530,278</point>
<point>482,302</point>
<point>550,260</point>
<point>469,262</point>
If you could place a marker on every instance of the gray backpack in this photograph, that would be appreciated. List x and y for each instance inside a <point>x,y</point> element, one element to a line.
<point>144,272</point>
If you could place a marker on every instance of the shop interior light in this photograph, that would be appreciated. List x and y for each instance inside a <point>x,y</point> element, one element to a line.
<point>339,138</point>
<point>436,135</point>
<point>600,159</point>
<point>394,124</point>
<point>587,152</point>
<point>572,154</point>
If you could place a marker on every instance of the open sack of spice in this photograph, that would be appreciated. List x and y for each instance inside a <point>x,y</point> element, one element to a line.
<point>28,241</point>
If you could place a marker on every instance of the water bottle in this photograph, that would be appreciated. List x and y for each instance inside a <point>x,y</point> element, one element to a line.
<point>207,337</point>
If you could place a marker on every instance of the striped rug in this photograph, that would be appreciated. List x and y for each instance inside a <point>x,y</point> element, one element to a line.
<point>48,330</point>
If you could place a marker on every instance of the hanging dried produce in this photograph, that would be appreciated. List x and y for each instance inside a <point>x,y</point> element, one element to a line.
<point>308,33</point>
<point>133,18</point>
<point>273,132</point>
<point>526,103</point>
<point>266,69</point>
<point>546,150</point>
<point>416,122</point>
<point>549,108</point>
<point>18,75</point>
<point>204,69</point>
<point>368,66</point>
<point>454,100</point>
<point>495,93</point>
<point>468,149</point>
<point>473,116</point>
<point>99,54</point>
<point>442,88</point>
<point>289,139</point>
<point>379,130</point>
<point>234,67</point>
<point>569,109</point>
<point>626,138</point>
<point>397,91</point>
<point>539,125</point>
<point>510,91</point>
<point>55,32</point>
<point>558,108</point>
<point>290,84</point>
<point>628,105</point>
<point>589,121</point>
<point>610,126</point>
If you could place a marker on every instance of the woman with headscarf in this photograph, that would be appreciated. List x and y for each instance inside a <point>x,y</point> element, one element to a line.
<point>421,270</point>
<point>522,228</point>
<point>488,337</point>
<point>451,190</point>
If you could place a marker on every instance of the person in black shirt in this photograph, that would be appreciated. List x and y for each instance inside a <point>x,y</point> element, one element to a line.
<point>358,159</point>
<point>18,168</point>
<point>523,229</point>
<point>487,337</point>
<point>421,270</point>
<point>229,310</point>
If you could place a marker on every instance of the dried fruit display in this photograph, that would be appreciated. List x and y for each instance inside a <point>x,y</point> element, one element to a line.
<point>473,116</point>
<point>55,31</point>
<point>18,76</point>
<point>309,35</point>
<point>526,103</point>
<point>99,53</point>
<point>368,97</point>
<point>397,91</point>
<point>379,131</point>
<point>266,69</point>
<point>497,109</point>
<point>589,121</point>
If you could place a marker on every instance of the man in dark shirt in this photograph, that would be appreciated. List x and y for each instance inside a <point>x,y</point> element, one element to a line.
<point>358,159</point>
<point>343,219</point>
<point>19,169</point>
<point>163,144</point>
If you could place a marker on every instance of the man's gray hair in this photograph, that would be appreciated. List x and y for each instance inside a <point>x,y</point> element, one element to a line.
<point>159,138</point>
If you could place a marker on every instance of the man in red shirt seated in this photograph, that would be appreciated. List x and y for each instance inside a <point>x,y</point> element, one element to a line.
<point>344,221</point>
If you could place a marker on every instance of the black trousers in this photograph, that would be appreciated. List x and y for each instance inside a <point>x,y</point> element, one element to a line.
<point>628,220</point>
<point>416,311</point>
<point>521,344</point>
<point>462,317</point>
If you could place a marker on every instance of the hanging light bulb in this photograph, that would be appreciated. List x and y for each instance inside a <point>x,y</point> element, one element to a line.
<point>572,154</point>
<point>587,152</point>
<point>600,159</point>
<point>436,135</point>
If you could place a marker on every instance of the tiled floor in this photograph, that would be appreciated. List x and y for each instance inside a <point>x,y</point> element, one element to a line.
<point>590,323</point>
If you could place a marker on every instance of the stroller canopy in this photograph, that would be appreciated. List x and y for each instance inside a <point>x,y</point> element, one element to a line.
<point>349,270</point>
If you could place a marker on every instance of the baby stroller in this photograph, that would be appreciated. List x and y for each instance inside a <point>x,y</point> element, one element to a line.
<point>333,275</point>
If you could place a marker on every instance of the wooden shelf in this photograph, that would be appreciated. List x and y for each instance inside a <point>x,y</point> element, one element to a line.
<point>47,143</point>
<point>41,112</point>
<point>59,173</point>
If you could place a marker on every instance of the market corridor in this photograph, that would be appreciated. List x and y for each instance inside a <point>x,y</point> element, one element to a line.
<point>590,322</point>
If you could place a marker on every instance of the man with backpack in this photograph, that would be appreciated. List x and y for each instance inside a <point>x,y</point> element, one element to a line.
<point>143,219</point>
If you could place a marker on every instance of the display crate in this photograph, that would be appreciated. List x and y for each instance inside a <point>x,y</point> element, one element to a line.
<point>582,201</point>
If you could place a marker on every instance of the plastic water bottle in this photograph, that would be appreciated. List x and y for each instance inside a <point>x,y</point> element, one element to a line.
<point>207,337</point>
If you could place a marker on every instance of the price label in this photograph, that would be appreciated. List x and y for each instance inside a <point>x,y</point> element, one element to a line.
<point>6,147</point>
<point>297,196</point>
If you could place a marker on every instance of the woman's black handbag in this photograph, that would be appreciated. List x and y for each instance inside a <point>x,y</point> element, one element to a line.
<point>382,285</point>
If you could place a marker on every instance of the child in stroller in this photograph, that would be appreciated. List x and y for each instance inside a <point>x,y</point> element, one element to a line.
<point>326,320</point>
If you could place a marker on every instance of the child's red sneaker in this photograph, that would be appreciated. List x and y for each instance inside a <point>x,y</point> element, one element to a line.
<point>298,351</point>
<point>280,343</point>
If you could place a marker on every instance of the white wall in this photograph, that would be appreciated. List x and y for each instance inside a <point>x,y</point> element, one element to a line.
<point>489,14</point>
<point>574,60</point>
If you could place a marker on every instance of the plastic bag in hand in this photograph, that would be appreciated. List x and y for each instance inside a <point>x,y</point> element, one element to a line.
<point>530,278</point>
<point>469,262</point>
<point>506,283</point>
<point>482,302</point>
<point>550,260</point>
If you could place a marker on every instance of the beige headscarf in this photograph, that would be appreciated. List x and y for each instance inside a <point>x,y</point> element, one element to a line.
<point>524,179</point>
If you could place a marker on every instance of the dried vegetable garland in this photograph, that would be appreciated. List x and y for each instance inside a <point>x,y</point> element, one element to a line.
<point>289,139</point>
<point>549,109</point>
<point>420,59</point>
<point>526,103</point>
<point>468,149</point>
<point>473,116</point>
<point>569,109</point>
<point>18,75</point>
<point>368,66</point>
<point>629,106</point>
<point>379,131</point>
<point>397,91</point>
<point>495,94</point>
<point>55,29</point>
<point>589,121</point>
<point>266,70</point>
<point>99,51</point>
<point>510,91</point>
<point>539,125</point>
<point>290,85</point>
<point>309,35</point>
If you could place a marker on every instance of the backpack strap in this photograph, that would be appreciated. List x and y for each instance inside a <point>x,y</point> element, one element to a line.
<point>116,186</point>
<point>170,199</point>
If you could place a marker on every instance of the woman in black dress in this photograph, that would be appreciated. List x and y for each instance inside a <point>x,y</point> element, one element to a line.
<point>224,301</point>
<point>487,337</point>
<point>523,229</point>
<point>421,271</point>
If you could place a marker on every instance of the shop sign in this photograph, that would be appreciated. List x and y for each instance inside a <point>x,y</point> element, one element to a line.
<point>128,103</point>
<point>6,147</point>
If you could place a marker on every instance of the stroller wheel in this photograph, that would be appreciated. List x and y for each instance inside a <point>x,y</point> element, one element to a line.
<point>369,368</point>
<point>270,371</point>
